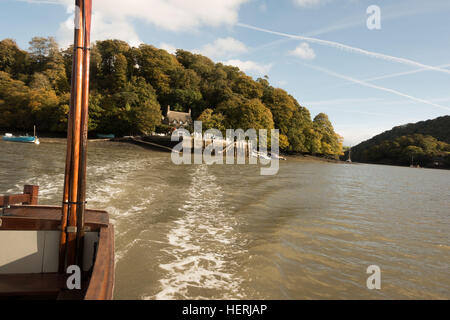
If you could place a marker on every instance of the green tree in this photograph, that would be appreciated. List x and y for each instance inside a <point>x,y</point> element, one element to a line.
<point>211,120</point>
<point>134,110</point>
<point>12,60</point>
<point>331,143</point>
<point>42,51</point>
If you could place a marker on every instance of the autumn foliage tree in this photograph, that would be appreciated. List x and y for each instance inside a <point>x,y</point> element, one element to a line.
<point>130,86</point>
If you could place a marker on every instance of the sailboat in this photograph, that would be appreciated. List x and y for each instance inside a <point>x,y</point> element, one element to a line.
<point>63,252</point>
<point>349,160</point>
<point>24,139</point>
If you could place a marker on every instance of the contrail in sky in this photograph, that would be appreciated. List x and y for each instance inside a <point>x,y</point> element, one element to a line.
<point>347,48</point>
<point>399,74</point>
<point>370,85</point>
<point>389,76</point>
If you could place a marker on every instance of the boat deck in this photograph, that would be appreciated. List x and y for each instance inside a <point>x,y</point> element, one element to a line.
<point>15,286</point>
<point>38,220</point>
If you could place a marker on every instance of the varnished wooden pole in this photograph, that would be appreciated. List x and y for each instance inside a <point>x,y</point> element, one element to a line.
<point>84,130</point>
<point>69,211</point>
<point>65,207</point>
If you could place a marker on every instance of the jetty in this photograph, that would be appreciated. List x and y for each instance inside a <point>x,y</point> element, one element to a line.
<point>165,144</point>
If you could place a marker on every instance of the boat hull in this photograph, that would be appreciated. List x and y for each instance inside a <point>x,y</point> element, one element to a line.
<point>22,139</point>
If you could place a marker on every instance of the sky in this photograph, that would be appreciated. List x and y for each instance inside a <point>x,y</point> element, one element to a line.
<point>321,51</point>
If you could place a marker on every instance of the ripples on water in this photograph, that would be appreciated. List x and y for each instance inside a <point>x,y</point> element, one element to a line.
<point>225,232</point>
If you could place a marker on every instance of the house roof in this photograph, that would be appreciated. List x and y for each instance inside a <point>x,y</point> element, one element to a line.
<point>179,116</point>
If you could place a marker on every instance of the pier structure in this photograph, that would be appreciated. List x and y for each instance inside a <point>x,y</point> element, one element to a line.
<point>238,148</point>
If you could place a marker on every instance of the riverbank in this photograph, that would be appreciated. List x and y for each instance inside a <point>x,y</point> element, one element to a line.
<point>165,144</point>
<point>311,158</point>
<point>163,147</point>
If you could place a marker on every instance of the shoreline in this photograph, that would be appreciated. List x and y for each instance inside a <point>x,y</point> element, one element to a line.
<point>311,158</point>
<point>288,156</point>
<point>151,146</point>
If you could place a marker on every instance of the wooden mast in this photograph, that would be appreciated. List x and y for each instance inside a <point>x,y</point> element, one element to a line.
<point>72,220</point>
<point>84,129</point>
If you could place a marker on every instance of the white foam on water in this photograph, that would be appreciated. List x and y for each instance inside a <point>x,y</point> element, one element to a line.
<point>115,180</point>
<point>108,181</point>
<point>49,186</point>
<point>202,246</point>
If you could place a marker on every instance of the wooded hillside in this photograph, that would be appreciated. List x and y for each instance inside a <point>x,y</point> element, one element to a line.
<point>426,143</point>
<point>132,87</point>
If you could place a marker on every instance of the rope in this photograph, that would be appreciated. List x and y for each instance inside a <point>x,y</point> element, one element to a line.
<point>83,48</point>
<point>76,203</point>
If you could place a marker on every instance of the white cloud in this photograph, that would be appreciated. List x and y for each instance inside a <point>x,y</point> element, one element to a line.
<point>309,3</point>
<point>304,51</point>
<point>117,16</point>
<point>250,66</point>
<point>223,48</point>
<point>168,47</point>
<point>103,28</point>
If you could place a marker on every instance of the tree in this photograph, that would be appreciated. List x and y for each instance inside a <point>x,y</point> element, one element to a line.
<point>211,120</point>
<point>112,69</point>
<point>134,110</point>
<point>331,143</point>
<point>40,81</point>
<point>14,104</point>
<point>147,114</point>
<point>12,60</point>
<point>254,115</point>
<point>42,51</point>
<point>157,67</point>
<point>246,87</point>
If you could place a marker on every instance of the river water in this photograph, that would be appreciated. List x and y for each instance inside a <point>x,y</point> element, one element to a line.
<point>225,232</point>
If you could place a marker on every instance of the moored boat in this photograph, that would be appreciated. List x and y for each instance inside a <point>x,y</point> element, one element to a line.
<point>276,156</point>
<point>349,160</point>
<point>62,252</point>
<point>23,139</point>
<point>105,136</point>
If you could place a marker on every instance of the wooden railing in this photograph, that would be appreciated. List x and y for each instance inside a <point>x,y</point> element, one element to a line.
<point>101,286</point>
<point>29,197</point>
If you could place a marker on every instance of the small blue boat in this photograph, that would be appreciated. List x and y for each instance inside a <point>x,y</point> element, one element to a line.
<point>24,139</point>
<point>105,136</point>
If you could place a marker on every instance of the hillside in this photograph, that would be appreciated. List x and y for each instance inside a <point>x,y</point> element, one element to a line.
<point>426,143</point>
<point>132,87</point>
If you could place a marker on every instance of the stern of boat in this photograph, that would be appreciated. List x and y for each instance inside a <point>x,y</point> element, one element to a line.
<point>29,252</point>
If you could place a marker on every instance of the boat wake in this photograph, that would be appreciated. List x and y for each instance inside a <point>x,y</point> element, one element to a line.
<point>50,187</point>
<point>203,246</point>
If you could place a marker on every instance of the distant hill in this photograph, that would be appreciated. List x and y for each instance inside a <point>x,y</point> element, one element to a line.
<point>426,143</point>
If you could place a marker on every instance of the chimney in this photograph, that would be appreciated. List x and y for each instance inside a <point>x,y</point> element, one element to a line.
<point>168,109</point>
<point>189,111</point>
